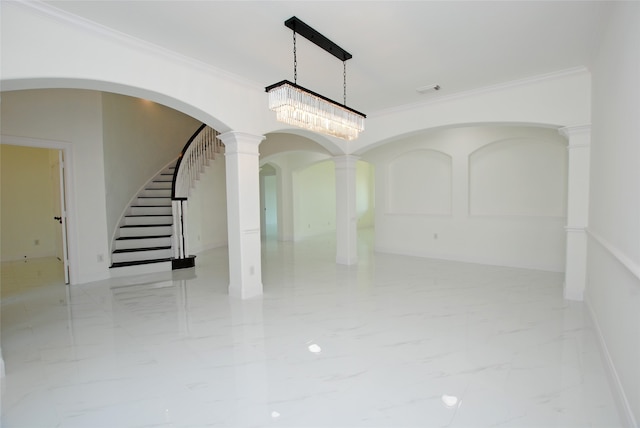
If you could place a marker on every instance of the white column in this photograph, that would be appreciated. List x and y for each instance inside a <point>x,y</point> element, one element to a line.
<point>243,213</point>
<point>346,215</point>
<point>577,210</point>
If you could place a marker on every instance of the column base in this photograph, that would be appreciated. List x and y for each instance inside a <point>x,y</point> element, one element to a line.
<point>576,264</point>
<point>245,291</point>
<point>349,261</point>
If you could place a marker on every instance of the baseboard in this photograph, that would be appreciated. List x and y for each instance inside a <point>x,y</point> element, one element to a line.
<point>614,380</point>
<point>201,248</point>
<point>93,277</point>
<point>473,260</point>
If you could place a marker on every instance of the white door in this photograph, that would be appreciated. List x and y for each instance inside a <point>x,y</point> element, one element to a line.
<point>60,212</point>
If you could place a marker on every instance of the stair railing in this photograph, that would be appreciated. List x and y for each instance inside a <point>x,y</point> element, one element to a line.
<point>201,148</point>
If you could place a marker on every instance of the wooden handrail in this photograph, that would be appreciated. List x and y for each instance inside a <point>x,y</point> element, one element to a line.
<point>201,148</point>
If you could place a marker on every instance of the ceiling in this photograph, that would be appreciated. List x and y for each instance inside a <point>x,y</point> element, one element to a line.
<point>397,46</point>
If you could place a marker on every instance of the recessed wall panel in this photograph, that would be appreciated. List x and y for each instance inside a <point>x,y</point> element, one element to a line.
<point>419,182</point>
<point>522,177</point>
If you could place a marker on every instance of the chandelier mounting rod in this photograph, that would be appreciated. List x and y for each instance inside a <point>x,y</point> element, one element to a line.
<point>318,39</point>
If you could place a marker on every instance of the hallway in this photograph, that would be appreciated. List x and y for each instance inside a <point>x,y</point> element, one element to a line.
<point>395,341</point>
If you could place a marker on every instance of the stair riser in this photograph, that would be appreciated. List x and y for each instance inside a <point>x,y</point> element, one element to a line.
<point>156,193</point>
<point>135,221</point>
<point>140,270</point>
<point>140,255</point>
<point>127,244</point>
<point>145,231</point>
<point>153,201</point>
<point>150,210</point>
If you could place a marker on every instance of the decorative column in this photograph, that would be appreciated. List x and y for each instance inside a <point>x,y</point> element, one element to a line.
<point>346,215</point>
<point>577,210</point>
<point>243,213</point>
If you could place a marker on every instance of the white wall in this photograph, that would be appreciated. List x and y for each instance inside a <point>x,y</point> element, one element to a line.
<point>140,138</point>
<point>314,200</point>
<point>306,194</point>
<point>490,194</point>
<point>207,205</point>
<point>72,116</point>
<point>365,194</point>
<point>613,270</point>
<point>285,164</point>
<point>28,229</point>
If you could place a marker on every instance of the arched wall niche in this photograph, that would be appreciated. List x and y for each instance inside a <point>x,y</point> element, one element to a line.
<point>479,227</point>
<point>437,131</point>
<point>521,176</point>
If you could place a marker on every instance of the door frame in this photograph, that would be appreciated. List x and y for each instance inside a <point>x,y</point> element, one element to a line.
<point>67,151</point>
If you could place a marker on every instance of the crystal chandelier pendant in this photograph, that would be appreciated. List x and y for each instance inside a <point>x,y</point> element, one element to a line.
<point>298,106</point>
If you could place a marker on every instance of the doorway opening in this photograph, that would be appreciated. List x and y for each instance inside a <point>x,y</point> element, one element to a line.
<point>35,202</point>
<point>268,202</point>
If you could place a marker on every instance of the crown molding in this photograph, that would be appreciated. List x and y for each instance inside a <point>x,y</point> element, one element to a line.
<point>482,90</point>
<point>133,42</point>
<point>568,131</point>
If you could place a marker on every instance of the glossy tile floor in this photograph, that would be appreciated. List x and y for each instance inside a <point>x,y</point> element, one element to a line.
<point>394,342</point>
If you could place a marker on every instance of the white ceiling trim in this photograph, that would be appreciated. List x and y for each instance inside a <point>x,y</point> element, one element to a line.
<point>134,42</point>
<point>478,91</point>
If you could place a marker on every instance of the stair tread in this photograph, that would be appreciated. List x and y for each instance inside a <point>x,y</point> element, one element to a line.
<point>133,250</point>
<point>122,238</point>
<point>140,262</point>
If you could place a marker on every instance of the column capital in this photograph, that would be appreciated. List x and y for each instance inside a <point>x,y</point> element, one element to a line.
<point>571,131</point>
<point>241,142</point>
<point>579,136</point>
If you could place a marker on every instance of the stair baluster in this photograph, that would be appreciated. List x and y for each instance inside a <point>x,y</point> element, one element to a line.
<point>203,146</point>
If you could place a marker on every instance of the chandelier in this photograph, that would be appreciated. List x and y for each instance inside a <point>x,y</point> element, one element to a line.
<point>298,106</point>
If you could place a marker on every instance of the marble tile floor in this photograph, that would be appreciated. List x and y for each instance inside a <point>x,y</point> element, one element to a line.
<point>392,342</point>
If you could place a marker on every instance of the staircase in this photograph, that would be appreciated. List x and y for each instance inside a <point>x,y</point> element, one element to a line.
<point>152,236</point>
<point>145,235</point>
